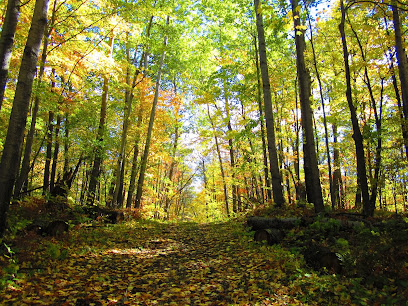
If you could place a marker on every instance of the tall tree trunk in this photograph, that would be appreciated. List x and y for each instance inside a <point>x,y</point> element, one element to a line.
<point>261,119</point>
<point>378,124</point>
<point>9,164</point>
<point>277,189</point>
<point>143,163</point>
<point>217,146</point>
<point>48,153</point>
<point>173,158</point>
<point>66,143</point>
<point>231,152</point>
<point>326,132</point>
<point>312,175</point>
<point>121,158</point>
<point>93,181</point>
<point>402,67</point>
<point>133,173</point>
<point>56,152</point>
<point>6,42</point>
<point>337,182</point>
<point>357,136</point>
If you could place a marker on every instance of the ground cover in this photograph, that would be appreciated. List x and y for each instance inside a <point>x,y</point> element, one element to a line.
<point>154,263</point>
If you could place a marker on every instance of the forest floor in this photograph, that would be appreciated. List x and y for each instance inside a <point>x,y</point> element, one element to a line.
<point>144,262</point>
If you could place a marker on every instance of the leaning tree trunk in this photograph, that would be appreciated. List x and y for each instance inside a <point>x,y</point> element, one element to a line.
<point>312,175</point>
<point>93,181</point>
<point>143,163</point>
<point>6,42</point>
<point>357,136</point>
<point>15,134</point>
<point>277,189</point>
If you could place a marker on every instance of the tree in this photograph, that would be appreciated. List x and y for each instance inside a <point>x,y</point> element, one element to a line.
<point>100,136</point>
<point>15,134</point>
<point>312,175</point>
<point>143,163</point>
<point>7,41</point>
<point>270,125</point>
<point>402,68</point>
<point>357,136</point>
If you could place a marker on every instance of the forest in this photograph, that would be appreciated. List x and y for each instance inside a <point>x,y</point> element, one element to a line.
<point>183,118</point>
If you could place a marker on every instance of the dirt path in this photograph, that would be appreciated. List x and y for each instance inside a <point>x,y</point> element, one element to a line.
<point>149,263</point>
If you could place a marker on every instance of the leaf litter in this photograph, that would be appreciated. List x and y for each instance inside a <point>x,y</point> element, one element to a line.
<point>153,263</point>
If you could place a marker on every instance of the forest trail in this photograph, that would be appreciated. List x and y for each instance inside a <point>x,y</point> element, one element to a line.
<point>151,263</point>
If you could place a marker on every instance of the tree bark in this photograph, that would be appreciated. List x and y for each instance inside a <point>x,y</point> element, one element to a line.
<point>277,189</point>
<point>378,125</point>
<point>357,136</point>
<point>6,42</point>
<point>217,146</point>
<point>402,67</point>
<point>15,134</point>
<point>93,181</point>
<point>312,175</point>
<point>55,153</point>
<point>337,182</point>
<point>326,132</point>
<point>143,163</point>
<point>267,183</point>
<point>121,158</point>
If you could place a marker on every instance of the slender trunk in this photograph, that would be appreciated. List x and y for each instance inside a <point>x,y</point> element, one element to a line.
<point>93,182</point>
<point>56,152</point>
<point>231,153</point>
<point>270,125</point>
<point>133,173</point>
<point>6,42</point>
<point>357,136</point>
<point>48,154</point>
<point>220,161</point>
<point>337,183</point>
<point>66,143</point>
<point>378,124</point>
<point>9,164</point>
<point>267,182</point>
<point>143,162</point>
<point>173,158</point>
<point>326,132</point>
<point>312,175</point>
<point>121,158</point>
